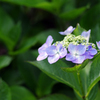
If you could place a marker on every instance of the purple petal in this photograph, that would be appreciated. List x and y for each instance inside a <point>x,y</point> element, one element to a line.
<point>72,48</point>
<point>79,59</point>
<point>42,48</point>
<point>42,56</point>
<point>63,52</point>
<point>88,56</point>
<point>70,57</point>
<point>86,34</point>
<point>51,50</point>
<point>53,59</point>
<point>98,45</point>
<point>92,51</point>
<point>49,40</point>
<point>69,30</point>
<point>80,49</point>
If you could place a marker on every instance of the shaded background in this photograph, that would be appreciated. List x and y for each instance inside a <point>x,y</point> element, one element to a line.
<point>24,27</point>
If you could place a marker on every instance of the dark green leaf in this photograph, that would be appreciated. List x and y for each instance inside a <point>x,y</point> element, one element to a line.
<point>56,97</point>
<point>5,93</point>
<point>5,61</point>
<point>21,93</point>
<point>56,73</point>
<point>87,21</point>
<point>29,73</point>
<point>45,85</point>
<point>73,13</point>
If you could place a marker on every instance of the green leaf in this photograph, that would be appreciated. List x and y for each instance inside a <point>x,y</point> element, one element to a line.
<point>27,44</point>
<point>5,61</point>
<point>94,74</point>
<point>56,97</point>
<point>5,93</point>
<point>29,73</point>
<point>78,30</point>
<point>76,67</point>
<point>55,72</point>
<point>45,85</point>
<point>98,95</point>
<point>87,19</point>
<point>73,13</point>
<point>14,33</point>
<point>6,23</point>
<point>21,93</point>
<point>43,4</point>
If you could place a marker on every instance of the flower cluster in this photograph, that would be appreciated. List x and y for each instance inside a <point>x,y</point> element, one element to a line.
<point>74,48</point>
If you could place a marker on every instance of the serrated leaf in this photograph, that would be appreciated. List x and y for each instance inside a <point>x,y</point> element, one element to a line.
<point>21,93</point>
<point>5,93</point>
<point>5,61</point>
<point>56,97</point>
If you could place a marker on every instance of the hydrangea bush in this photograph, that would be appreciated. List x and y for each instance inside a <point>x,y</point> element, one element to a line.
<point>74,61</point>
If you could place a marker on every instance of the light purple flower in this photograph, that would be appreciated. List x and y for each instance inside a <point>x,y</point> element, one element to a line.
<point>69,30</point>
<point>42,50</point>
<point>55,53</point>
<point>98,44</point>
<point>90,52</point>
<point>86,35</point>
<point>76,54</point>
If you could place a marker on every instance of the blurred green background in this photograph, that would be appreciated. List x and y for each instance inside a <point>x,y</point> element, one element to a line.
<point>24,27</point>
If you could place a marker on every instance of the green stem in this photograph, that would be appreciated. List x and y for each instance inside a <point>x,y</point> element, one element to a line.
<point>80,83</point>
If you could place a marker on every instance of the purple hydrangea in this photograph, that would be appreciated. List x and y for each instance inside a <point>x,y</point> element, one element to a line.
<point>90,52</point>
<point>69,30</point>
<point>98,45</point>
<point>42,50</point>
<point>55,53</point>
<point>86,35</point>
<point>76,53</point>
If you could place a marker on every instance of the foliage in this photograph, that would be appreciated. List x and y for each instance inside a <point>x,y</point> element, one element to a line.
<point>24,27</point>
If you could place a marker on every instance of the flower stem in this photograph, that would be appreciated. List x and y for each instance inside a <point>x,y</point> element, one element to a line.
<point>80,83</point>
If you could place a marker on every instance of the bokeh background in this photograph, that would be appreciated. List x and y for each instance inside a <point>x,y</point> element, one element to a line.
<point>24,27</point>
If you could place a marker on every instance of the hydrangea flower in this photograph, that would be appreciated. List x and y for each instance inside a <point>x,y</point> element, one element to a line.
<point>86,35</point>
<point>98,44</point>
<point>55,53</point>
<point>76,54</point>
<point>69,30</point>
<point>42,50</point>
<point>90,52</point>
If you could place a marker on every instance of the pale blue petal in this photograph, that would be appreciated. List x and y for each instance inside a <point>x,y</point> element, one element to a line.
<point>70,57</point>
<point>63,52</point>
<point>42,48</point>
<point>79,59</point>
<point>98,45</point>
<point>86,34</point>
<point>42,56</point>
<point>62,33</point>
<point>72,48</point>
<point>49,40</point>
<point>51,50</point>
<point>53,59</point>
<point>80,49</point>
